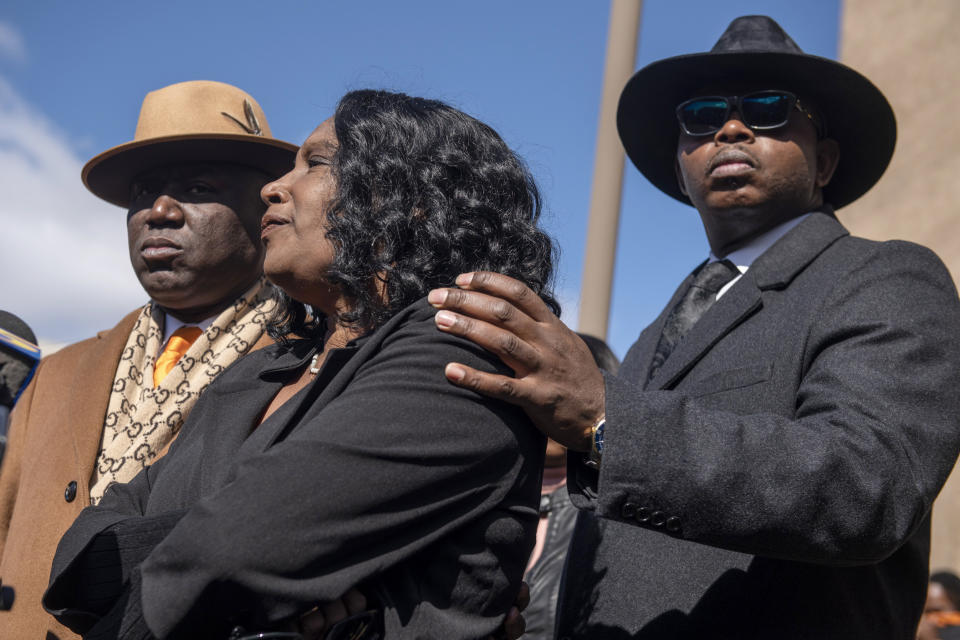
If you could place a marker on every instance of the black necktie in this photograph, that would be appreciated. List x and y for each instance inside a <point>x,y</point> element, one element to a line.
<point>695,301</point>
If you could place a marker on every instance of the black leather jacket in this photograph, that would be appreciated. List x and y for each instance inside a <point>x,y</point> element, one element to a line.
<point>544,576</point>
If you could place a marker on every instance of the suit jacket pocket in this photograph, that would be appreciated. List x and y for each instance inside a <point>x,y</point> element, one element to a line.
<point>729,379</point>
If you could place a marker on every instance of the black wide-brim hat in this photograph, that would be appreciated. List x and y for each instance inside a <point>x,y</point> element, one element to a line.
<point>756,51</point>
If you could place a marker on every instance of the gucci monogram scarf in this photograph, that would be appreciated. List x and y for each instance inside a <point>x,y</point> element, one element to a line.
<point>142,420</point>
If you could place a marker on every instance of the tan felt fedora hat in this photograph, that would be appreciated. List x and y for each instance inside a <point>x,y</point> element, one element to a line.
<point>197,121</point>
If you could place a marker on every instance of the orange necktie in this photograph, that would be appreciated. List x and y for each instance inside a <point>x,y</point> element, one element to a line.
<point>178,344</point>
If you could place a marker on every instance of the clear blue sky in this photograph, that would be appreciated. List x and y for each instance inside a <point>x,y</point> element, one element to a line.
<point>73,74</point>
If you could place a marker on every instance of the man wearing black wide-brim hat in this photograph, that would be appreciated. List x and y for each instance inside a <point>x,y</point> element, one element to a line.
<point>764,463</point>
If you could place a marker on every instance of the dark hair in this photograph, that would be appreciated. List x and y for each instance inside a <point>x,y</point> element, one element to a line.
<point>424,193</point>
<point>950,583</point>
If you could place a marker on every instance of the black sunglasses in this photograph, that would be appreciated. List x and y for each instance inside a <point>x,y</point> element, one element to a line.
<point>761,111</point>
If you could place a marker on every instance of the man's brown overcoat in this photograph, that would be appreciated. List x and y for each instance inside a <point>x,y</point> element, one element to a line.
<point>54,440</point>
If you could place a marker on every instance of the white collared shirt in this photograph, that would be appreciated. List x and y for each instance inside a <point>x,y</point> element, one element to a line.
<point>171,324</point>
<point>745,256</point>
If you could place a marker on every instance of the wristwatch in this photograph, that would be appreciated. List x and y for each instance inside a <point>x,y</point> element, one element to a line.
<point>596,445</point>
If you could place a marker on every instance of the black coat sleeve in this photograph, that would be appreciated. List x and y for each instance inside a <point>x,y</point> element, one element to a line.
<point>95,561</point>
<point>847,475</point>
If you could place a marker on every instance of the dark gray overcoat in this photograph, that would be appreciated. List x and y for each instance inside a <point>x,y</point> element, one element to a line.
<point>774,480</point>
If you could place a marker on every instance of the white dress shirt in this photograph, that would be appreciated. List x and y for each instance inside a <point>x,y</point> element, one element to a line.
<point>745,255</point>
<point>171,324</point>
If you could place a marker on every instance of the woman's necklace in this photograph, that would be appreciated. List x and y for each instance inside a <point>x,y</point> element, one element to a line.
<point>332,340</point>
<point>327,340</point>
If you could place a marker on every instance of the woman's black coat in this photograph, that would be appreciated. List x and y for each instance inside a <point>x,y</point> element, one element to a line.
<point>380,474</point>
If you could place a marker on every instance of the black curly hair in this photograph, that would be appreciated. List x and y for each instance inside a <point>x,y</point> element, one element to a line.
<point>424,193</point>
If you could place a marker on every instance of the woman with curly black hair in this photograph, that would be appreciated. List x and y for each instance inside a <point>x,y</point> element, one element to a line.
<point>423,193</point>
<point>342,457</point>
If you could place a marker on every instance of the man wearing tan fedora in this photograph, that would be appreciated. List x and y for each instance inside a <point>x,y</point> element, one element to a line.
<point>100,410</point>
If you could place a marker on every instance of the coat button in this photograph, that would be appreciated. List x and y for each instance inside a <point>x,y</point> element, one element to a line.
<point>70,493</point>
<point>642,515</point>
<point>657,518</point>
<point>673,524</point>
<point>628,510</point>
<point>545,504</point>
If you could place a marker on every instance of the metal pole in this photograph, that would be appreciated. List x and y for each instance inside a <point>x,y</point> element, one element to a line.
<point>600,255</point>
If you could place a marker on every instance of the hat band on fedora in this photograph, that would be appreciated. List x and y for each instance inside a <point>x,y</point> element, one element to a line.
<point>187,123</point>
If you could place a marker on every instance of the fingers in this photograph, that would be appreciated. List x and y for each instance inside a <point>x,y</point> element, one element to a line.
<point>313,625</point>
<point>511,290</point>
<point>515,352</point>
<point>523,597</point>
<point>489,384</point>
<point>334,611</point>
<point>557,383</point>
<point>489,308</point>
<point>354,601</point>
<point>514,625</point>
<point>506,317</point>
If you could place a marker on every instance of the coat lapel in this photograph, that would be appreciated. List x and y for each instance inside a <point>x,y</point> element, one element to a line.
<point>774,269</point>
<point>335,373</point>
<point>737,304</point>
<point>240,402</point>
